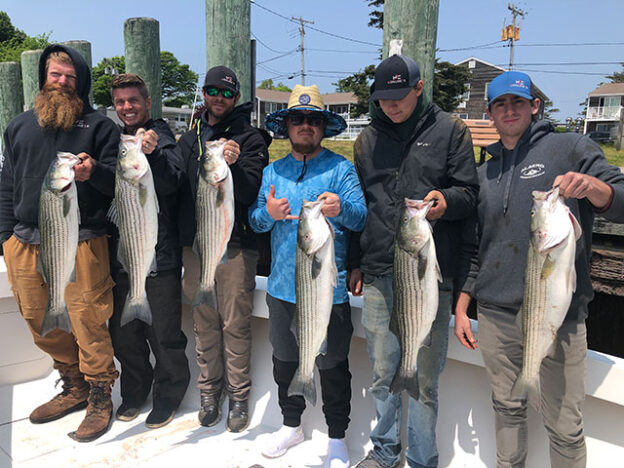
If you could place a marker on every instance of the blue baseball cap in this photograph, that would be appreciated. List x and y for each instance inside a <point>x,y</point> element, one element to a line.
<point>510,82</point>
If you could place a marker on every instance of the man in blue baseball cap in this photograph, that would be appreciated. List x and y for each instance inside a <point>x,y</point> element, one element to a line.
<point>528,157</point>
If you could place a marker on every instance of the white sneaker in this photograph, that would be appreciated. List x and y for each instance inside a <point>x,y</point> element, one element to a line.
<point>280,441</point>
<point>337,454</point>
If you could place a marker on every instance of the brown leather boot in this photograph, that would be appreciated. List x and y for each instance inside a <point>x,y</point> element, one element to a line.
<point>99,413</point>
<point>72,398</point>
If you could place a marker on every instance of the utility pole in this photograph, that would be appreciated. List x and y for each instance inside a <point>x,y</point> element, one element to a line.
<point>512,33</point>
<point>302,34</point>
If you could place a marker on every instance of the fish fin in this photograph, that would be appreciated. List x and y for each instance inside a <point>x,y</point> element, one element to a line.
<point>294,325</point>
<point>66,206</point>
<point>220,195</point>
<point>334,274</point>
<point>427,340</point>
<point>53,320</point>
<point>422,264</point>
<point>72,276</point>
<point>140,311</point>
<point>401,381</point>
<point>316,266</point>
<point>519,321</point>
<point>572,279</point>
<point>195,247</point>
<point>578,231</point>
<point>323,348</point>
<point>529,389</point>
<point>112,214</point>
<point>303,386</point>
<point>205,296</point>
<point>547,267</point>
<point>224,259</point>
<point>121,258</point>
<point>40,269</point>
<point>142,195</point>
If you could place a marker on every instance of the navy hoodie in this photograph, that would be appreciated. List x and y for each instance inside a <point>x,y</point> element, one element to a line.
<point>504,212</point>
<point>29,150</point>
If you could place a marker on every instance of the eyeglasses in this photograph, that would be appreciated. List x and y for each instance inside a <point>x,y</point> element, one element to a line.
<point>213,91</point>
<point>313,120</point>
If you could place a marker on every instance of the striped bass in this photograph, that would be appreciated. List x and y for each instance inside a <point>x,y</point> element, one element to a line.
<point>214,209</point>
<point>415,305</point>
<point>550,281</point>
<point>136,216</point>
<point>59,219</point>
<point>315,278</point>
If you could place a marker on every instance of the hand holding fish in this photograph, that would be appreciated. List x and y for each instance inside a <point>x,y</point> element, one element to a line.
<point>331,207</point>
<point>463,331</point>
<point>150,141</point>
<point>84,169</point>
<point>278,208</point>
<point>231,151</point>
<point>576,185</point>
<point>439,205</point>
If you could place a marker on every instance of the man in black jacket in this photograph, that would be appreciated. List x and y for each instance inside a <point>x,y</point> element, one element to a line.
<point>411,149</point>
<point>132,342</point>
<point>223,336</point>
<point>63,120</point>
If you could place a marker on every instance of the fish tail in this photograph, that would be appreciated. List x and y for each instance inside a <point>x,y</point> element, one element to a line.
<point>55,318</point>
<point>205,296</point>
<point>528,388</point>
<point>405,381</point>
<point>138,310</point>
<point>303,386</point>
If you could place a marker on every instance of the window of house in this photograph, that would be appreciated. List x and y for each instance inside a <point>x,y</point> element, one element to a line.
<point>472,64</point>
<point>487,85</point>
<point>464,97</point>
<point>485,116</point>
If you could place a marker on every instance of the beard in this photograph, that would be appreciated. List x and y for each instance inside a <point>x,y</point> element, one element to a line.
<point>57,107</point>
<point>304,148</point>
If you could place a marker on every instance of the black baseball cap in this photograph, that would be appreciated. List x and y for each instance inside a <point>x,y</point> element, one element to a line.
<point>222,77</point>
<point>394,78</point>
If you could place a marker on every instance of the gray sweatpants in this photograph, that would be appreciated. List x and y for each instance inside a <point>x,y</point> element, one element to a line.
<point>562,377</point>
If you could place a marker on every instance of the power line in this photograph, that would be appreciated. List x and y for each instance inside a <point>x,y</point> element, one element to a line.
<point>575,44</point>
<point>278,56</point>
<point>271,49</point>
<point>482,46</point>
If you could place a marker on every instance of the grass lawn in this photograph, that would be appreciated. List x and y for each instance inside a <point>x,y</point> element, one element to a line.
<point>280,148</point>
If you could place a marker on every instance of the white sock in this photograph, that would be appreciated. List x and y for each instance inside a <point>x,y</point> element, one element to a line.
<point>337,454</point>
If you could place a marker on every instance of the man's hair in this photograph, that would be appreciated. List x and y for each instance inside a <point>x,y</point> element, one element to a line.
<point>59,57</point>
<point>130,80</point>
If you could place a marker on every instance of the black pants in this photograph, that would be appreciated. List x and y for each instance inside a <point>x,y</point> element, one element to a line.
<point>132,343</point>
<point>333,367</point>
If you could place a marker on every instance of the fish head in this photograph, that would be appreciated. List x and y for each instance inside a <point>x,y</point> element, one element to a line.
<point>132,163</point>
<point>313,229</point>
<point>414,229</point>
<point>61,173</point>
<point>214,169</point>
<point>551,220</point>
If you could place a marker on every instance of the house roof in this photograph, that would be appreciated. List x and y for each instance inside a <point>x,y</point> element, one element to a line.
<point>482,61</point>
<point>609,89</point>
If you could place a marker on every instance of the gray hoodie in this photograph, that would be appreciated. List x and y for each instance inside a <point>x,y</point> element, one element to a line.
<point>506,181</point>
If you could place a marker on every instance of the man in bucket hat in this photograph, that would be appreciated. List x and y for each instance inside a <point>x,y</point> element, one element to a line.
<point>309,172</point>
<point>411,149</point>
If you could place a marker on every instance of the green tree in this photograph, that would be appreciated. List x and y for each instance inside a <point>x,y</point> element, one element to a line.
<point>549,110</point>
<point>14,41</point>
<point>178,80</point>
<point>376,16</point>
<point>358,84</point>
<point>449,83</point>
<point>617,77</point>
<point>268,84</point>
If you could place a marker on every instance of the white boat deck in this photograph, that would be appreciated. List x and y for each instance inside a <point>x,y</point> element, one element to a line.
<point>465,427</point>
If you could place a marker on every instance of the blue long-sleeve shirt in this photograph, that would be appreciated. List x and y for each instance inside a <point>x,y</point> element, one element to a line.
<point>327,172</point>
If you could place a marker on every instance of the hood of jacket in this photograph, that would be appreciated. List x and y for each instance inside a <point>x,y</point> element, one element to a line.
<point>237,122</point>
<point>83,74</point>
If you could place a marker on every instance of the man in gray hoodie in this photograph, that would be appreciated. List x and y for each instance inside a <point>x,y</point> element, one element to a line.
<point>530,156</point>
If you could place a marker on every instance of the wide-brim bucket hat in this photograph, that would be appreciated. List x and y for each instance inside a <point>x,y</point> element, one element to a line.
<point>305,98</point>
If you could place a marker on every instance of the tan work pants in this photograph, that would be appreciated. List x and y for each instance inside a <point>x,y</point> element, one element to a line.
<point>89,302</point>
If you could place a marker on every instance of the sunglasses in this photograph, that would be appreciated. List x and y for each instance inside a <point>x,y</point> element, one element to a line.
<point>313,120</point>
<point>213,91</point>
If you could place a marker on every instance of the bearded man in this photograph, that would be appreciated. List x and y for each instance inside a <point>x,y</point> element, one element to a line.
<point>63,120</point>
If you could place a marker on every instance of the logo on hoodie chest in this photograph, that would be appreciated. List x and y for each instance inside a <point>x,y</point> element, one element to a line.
<point>81,124</point>
<point>532,171</point>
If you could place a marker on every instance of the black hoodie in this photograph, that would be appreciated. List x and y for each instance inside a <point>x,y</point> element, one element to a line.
<point>246,171</point>
<point>29,150</point>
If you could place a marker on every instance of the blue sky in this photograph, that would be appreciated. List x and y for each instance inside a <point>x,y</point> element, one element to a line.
<point>462,24</point>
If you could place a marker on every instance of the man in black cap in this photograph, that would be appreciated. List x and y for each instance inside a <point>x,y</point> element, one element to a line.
<point>223,335</point>
<point>411,149</point>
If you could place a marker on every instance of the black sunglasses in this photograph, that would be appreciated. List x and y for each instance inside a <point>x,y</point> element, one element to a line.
<point>214,91</point>
<point>314,120</point>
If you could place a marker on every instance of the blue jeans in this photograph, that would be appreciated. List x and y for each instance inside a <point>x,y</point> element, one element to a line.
<point>384,352</point>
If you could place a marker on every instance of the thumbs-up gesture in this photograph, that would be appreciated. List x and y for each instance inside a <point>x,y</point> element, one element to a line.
<point>278,208</point>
